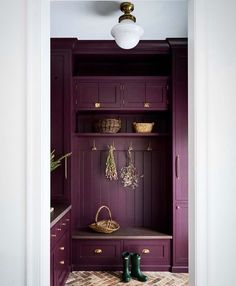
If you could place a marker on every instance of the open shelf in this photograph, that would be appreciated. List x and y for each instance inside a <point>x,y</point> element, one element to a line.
<point>121,134</point>
<point>122,233</point>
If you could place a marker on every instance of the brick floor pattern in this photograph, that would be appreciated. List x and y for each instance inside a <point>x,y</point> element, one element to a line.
<point>105,278</point>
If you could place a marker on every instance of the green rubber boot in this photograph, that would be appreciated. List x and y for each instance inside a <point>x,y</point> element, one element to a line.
<point>126,274</point>
<point>135,269</point>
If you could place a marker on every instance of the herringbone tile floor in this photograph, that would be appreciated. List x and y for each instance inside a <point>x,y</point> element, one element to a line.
<point>103,278</point>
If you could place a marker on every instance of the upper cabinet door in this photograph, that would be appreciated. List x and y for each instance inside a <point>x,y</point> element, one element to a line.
<point>146,93</point>
<point>109,94</point>
<point>133,94</point>
<point>86,93</point>
<point>156,94</point>
<point>96,94</point>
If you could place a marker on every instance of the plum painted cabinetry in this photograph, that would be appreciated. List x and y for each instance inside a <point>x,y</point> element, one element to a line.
<point>180,155</point>
<point>93,80</point>
<point>60,250</point>
<point>60,123</point>
<point>128,92</point>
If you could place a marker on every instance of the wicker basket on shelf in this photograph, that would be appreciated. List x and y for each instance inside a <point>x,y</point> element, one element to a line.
<point>143,127</point>
<point>108,125</point>
<point>104,226</point>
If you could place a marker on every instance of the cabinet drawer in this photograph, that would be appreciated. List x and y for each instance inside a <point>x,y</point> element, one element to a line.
<point>153,252</point>
<point>96,252</point>
<point>60,228</point>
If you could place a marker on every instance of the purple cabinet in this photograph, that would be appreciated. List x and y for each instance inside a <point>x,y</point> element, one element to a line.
<point>140,93</point>
<point>146,93</point>
<point>96,254</point>
<point>60,251</point>
<point>180,254</point>
<point>92,93</point>
<point>155,254</point>
<point>60,122</point>
<point>105,254</point>
<point>180,155</point>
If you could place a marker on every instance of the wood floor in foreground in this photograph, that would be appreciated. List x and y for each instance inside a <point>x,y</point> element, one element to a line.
<point>103,278</point>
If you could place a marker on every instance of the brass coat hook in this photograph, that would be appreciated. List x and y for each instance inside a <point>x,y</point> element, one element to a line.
<point>149,148</point>
<point>94,148</point>
<point>131,146</point>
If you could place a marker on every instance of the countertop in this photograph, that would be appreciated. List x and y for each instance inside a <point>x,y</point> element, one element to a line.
<point>58,213</point>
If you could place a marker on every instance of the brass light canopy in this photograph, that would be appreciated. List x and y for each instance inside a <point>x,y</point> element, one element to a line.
<point>127,33</point>
<point>127,8</point>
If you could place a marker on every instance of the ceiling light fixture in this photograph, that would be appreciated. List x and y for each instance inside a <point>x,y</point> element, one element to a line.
<point>127,34</point>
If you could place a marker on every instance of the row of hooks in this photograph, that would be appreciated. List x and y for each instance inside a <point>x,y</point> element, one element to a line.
<point>149,148</point>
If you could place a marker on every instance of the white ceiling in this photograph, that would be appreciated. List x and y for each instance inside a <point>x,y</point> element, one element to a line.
<point>89,20</point>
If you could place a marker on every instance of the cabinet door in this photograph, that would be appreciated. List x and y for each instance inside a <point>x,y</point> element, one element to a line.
<point>145,93</point>
<point>60,124</point>
<point>156,94</point>
<point>133,94</point>
<point>86,93</point>
<point>180,123</point>
<point>96,93</point>
<point>109,94</point>
<point>180,158</point>
<point>180,236</point>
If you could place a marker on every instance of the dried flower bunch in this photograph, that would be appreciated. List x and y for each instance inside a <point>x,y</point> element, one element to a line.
<point>129,174</point>
<point>111,172</point>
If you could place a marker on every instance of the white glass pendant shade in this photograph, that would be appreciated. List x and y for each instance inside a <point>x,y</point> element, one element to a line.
<point>127,34</point>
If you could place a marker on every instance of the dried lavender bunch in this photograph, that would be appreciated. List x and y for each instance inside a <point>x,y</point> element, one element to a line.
<point>111,172</point>
<point>129,174</point>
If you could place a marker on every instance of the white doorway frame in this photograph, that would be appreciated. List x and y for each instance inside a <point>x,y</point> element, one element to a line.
<point>38,113</point>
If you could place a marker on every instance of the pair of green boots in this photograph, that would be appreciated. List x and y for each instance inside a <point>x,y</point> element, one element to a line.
<point>135,267</point>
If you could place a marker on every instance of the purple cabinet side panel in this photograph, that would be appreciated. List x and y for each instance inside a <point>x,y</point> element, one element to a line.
<point>180,160</point>
<point>60,122</point>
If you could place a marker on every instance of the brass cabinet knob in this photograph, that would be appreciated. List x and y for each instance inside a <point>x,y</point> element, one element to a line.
<point>63,223</point>
<point>59,229</point>
<point>53,235</point>
<point>98,251</point>
<point>62,248</point>
<point>177,207</point>
<point>67,219</point>
<point>146,104</point>
<point>97,104</point>
<point>146,251</point>
<point>62,262</point>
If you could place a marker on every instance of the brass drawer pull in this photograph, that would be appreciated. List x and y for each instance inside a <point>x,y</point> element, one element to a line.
<point>97,104</point>
<point>59,229</point>
<point>146,251</point>
<point>98,251</point>
<point>63,223</point>
<point>62,248</point>
<point>146,104</point>
<point>62,262</point>
<point>67,219</point>
<point>53,235</point>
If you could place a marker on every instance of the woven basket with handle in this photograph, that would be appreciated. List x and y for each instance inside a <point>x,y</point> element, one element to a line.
<point>104,226</point>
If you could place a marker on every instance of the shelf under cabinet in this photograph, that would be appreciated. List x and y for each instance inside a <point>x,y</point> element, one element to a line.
<point>122,233</point>
<point>121,134</point>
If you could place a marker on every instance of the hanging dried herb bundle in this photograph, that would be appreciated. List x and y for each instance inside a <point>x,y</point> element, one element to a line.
<point>111,172</point>
<point>129,174</point>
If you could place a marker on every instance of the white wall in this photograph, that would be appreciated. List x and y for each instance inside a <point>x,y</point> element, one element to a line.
<point>222,142</point>
<point>24,143</point>
<point>213,153</point>
<point>13,143</point>
<point>94,19</point>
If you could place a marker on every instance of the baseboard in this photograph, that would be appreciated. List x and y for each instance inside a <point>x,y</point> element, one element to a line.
<point>179,269</point>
